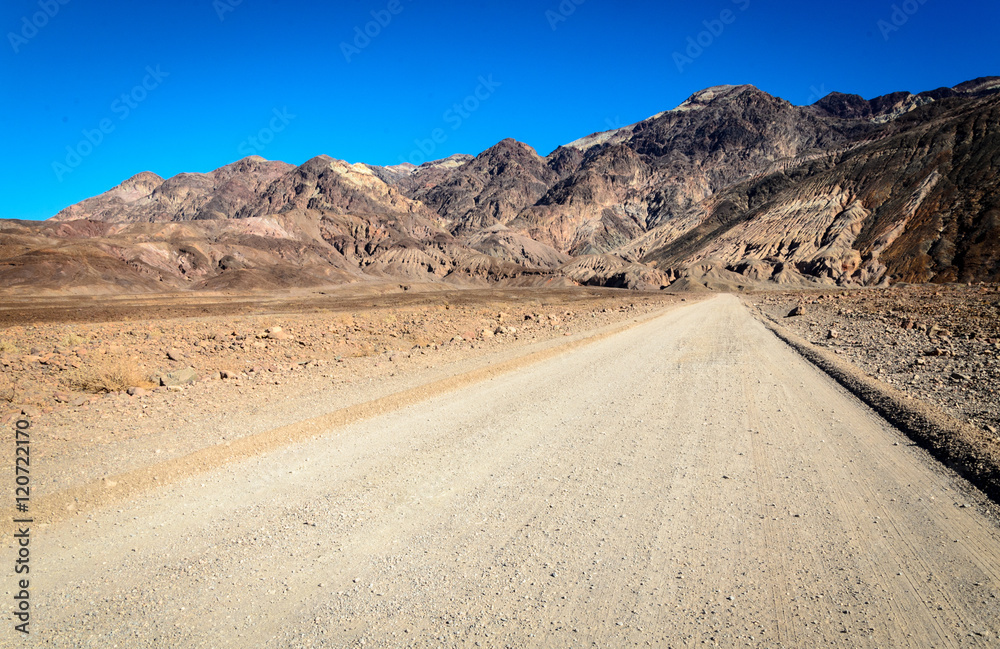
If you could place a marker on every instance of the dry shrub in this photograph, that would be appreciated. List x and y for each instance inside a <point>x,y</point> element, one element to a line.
<point>73,340</point>
<point>110,373</point>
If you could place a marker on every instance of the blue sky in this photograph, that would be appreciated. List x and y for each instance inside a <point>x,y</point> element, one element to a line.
<point>94,92</point>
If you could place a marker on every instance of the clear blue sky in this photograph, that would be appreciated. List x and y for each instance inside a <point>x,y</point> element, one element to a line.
<point>218,73</point>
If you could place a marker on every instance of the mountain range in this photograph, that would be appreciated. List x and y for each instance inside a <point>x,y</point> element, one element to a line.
<point>733,188</point>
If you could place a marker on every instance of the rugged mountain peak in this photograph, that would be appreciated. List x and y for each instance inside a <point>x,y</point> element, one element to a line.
<point>255,165</point>
<point>110,204</point>
<point>614,136</point>
<point>493,187</point>
<point>845,106</point>
<point>507,148</point>
<point>977,86</point>
<point>327,184</point>
<point>888,107</point>
<point>316,165</point>
<point>141,184</point>
<point>453,161</point>
<point>706,97</point>
<point>697,101</point>
<point>324,167</point>
<point>565,160</point>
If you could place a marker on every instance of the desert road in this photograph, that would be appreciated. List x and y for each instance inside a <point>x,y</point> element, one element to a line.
<point>690,481</point>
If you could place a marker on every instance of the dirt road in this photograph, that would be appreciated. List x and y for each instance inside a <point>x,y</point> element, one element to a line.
<point>689,481</point>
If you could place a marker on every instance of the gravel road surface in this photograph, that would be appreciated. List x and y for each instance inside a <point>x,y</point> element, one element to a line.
<point>688,482</point>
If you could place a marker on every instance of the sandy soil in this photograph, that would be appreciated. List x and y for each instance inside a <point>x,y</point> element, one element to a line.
<point>56,353</point>
<point>687,481</point>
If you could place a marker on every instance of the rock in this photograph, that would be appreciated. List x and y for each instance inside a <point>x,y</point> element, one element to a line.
<point>136,391</point>
<point>833,333</point>
<point>62,397</point>
<point>797,311</point>
<point>30,411</point>
<point>908,323</point>
<point>79,401</point>
<point>958,376</point>
<point>229,374</point>
<point>174,355</point>
<point>937,331</point>
<point>186,376</point>
<point>277,333</point>
<point>486,333</point>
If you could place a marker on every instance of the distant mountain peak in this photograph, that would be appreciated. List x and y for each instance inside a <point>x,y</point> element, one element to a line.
<point>703,98</point>
<point>140,182</point>
<point>508,146</point>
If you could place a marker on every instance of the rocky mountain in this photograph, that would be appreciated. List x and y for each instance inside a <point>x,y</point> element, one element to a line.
<point>732,188</point>
<point>185,197</point>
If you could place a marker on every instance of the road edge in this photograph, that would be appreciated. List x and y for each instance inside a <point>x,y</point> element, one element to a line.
<point>956,444</point>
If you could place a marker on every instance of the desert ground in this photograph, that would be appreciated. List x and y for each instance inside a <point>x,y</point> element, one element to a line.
<point>524,467</point>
